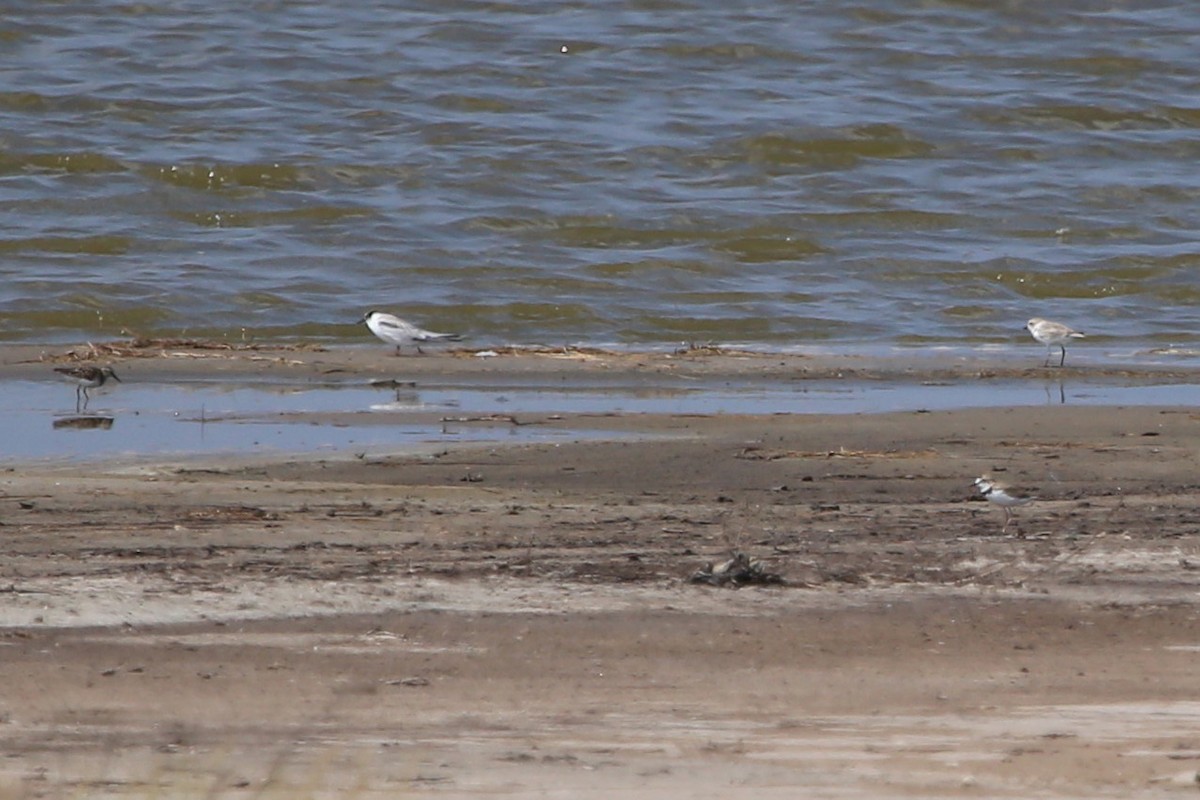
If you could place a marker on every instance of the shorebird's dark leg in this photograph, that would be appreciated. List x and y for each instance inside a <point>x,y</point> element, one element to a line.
<point>86,397</point>
<point>397,349</point>
<point>1063,360</point>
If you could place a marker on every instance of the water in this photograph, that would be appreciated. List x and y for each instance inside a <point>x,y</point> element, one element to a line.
<point>184,420</point>
<point>150,420</point>
<point>859,174</point>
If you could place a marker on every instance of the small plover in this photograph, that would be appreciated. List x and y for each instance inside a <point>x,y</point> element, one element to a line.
<point>86,377</point>
<point>1050,334</point>
<point>394,330</point>
<point>1003,496</point>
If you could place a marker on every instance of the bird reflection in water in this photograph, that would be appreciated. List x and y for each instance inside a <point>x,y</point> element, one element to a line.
<point>1052,396</point>
<point>90,422</point>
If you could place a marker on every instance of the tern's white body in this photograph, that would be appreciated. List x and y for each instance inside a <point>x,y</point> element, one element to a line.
<point>394,330</point>
<point>1051,334</point>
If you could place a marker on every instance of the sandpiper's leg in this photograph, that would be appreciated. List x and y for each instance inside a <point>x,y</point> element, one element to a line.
<point>1063,360</point>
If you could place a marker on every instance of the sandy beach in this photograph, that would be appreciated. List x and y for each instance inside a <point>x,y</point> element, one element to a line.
<point>520,620</point>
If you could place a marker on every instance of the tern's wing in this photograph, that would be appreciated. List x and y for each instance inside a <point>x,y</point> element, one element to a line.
<point>384,321</point>
<point>429,336</point>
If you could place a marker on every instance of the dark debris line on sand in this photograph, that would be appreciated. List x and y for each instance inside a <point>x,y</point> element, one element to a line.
<point>154,348</point>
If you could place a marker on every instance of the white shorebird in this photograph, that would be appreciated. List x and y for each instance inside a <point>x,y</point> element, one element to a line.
<point>1050,334</point>
<point>394,330</point>
<point>1003,496</point>
<point>86,377</point>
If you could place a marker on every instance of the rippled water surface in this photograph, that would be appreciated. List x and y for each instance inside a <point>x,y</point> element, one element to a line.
<point>776,173</point>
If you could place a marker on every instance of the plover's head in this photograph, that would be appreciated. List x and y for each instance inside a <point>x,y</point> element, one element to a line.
<point>984,484</point>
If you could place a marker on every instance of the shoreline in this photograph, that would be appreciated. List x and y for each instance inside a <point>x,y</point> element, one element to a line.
<point>197,359</point>
<point>176,400</point>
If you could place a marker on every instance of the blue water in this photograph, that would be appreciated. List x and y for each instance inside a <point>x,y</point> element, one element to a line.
<point>166,420</point>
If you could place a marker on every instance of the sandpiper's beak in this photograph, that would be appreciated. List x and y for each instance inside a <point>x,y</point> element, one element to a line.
<point>114,376</point>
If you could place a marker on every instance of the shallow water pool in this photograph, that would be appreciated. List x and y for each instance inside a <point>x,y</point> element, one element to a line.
<point>180,419</point>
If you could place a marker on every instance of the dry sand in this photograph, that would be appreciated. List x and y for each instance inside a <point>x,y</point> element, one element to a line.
<point>518,620</point>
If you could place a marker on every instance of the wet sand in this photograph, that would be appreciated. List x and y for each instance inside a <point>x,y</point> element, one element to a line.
<point>518,620</point>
